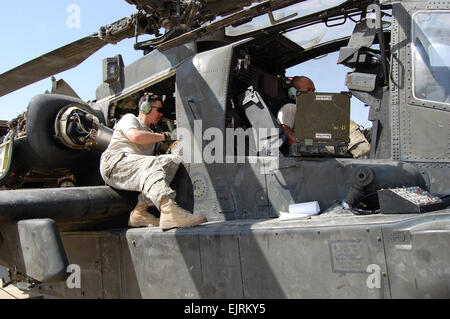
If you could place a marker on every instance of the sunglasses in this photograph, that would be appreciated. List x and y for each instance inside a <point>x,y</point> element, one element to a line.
<point>159,109</point>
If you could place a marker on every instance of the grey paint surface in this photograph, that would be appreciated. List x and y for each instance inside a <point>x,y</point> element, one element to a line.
<point>420,129</point>
<point>326,256</point>
<point>422,126</point>
<point>418,264</point>
<point>43,253</point>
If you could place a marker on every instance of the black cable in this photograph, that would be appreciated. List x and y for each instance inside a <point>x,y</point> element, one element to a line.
<point>365,212</point>
<point>446,199</point>
<point>359,211</point>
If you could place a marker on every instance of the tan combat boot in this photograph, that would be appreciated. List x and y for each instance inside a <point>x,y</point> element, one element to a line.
<point>173,216</point>
<point>139,217</point>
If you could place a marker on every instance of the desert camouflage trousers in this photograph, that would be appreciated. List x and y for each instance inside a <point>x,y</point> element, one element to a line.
<point>149,175</point>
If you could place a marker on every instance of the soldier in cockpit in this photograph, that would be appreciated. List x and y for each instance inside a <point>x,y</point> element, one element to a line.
<point>358,146</point>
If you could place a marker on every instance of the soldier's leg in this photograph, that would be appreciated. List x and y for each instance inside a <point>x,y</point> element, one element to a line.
<point>157,179</point>
<point>151,176</point>
<point>129,174</point>
<point>157,189</point>
<point>170,164</point>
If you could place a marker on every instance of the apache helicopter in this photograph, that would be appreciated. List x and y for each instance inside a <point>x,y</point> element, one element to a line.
<point>382,231</point>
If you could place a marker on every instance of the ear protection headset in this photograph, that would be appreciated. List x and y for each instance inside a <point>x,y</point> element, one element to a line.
<point>292,93</point>
<point>146,106</point>
<point>292,90</point>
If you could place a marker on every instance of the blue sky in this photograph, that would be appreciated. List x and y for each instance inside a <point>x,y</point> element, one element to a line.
<point>37,27</point>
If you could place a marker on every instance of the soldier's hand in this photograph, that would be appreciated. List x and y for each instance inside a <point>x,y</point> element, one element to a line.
<point>168,136</point>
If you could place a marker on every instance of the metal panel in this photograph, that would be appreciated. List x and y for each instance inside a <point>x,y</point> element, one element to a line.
<point>426,135</point>
<point>260,259</point>
<point>197,113</point>
<point>217,186</point>
<point>312,263</point>
<point>421,128</point>
<point>417,257</point>
<point>137,73</point>
<point>229,191</point>
<point>43,253</point>
<point>166,266</point>
<point>397,76</point>
<point>221,267</point>
<point>333,255</point>
<point>98,256</point>
<point>82,250</point>
<point>205,196</point>
<point>437,176</point>
<point>110,263</point>
<point>297,181</point>
<point>129,287</point>
<point>329,180</point>
<point>206,70</point>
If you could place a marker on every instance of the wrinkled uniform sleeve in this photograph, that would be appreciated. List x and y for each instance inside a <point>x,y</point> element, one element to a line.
<point>110,157</point>
<point>286,115</point>
<point>127,123</point>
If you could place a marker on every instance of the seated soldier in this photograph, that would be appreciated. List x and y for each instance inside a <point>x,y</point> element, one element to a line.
<point>358,146</point>
<point>286,115</point>
<point>129,163</point>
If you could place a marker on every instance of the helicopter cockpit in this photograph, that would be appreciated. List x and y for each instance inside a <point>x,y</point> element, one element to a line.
<point>261,64</point>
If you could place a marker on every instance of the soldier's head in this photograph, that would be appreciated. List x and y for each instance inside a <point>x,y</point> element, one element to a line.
<point>300,83</point>
<point>303,83</point>
<point>150,108</point>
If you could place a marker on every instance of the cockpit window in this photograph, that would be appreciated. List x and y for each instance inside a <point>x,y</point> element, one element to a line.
<point>431,56</point>
<point>291,12</point>
<point>319,33</point>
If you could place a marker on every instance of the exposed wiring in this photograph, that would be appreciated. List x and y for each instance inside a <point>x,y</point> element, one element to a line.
<point>79,125</point>
<point>359,211</point>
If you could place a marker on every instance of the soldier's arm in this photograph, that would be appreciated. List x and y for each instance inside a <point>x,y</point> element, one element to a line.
<point>143,137</point>
<point>289,133</point>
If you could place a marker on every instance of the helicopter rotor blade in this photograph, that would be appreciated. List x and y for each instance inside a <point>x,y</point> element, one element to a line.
<point>66,57</point>
<point>54,62</point>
